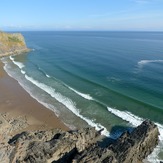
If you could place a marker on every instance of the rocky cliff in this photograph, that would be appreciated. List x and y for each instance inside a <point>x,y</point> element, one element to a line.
<point>12,43</point>
<point>80,146</point>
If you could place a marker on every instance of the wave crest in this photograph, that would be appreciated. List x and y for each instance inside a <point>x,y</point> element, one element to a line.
<point>19,64</point>
<point>86,96</point>
<point>66,102</point>
<point>144,62</point>
<point>135,121</point>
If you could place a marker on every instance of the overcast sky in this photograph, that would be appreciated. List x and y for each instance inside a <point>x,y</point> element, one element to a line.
<point>137,15</point>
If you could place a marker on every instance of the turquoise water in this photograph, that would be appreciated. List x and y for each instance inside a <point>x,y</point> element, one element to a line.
<point>110,80</point>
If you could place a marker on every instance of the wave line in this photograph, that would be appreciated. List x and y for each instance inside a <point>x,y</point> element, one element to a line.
<point>144,62</point>
<point>66,102</point>
<point>135,121</point>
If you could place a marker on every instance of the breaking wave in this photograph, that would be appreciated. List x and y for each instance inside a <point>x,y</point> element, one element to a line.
<point>19,64</point>
<point>144,62</point>
<point>86,96</point>
<point>42,71</point>
<point>66,102</point>
<point>135,121</point>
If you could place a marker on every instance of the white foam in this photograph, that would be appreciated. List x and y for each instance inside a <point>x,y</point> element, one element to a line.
<point>49,106</point>
<point>23,72</point>
<point>11,58</point>
<point>66,102</point>
<point>144,62</point>
<point>135,121</point>
<point>86,96</point>
<point>47,76</point>
<point>19,64</point>
<point>153,158</point>
<point>127,116</point>
<point>160,130</point>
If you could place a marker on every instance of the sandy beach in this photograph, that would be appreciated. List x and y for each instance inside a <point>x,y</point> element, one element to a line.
<point>19,110</point>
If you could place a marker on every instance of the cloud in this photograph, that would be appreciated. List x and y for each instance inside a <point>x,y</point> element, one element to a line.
<point>144,1</point>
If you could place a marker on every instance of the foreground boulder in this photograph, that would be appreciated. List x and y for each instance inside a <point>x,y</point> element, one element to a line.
<point>80,146</point>
<point>128,148</point>
<point>11,44</point>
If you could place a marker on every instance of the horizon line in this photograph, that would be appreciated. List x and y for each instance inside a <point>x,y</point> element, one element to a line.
<point>82,30</point>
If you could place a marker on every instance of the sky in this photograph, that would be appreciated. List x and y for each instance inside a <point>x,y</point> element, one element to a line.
<point>114,15</point>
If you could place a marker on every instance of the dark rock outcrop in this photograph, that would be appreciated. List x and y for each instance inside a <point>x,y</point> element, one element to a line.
<point>43,145</point>
<point>81,146</point>
<point>128,148</point>
<point>11,44</point>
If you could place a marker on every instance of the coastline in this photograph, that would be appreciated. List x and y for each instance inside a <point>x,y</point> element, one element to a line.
<point>16,105</point>
<point>20,112</point>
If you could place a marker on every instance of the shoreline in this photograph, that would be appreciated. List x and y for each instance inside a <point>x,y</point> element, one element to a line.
<point>13,107</point>
<point>17,106</point>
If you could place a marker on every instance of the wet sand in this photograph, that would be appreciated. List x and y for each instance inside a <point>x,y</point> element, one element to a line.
<point>17,104</point>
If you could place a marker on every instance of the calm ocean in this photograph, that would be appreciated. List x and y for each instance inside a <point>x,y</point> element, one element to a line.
<point>110,80</point>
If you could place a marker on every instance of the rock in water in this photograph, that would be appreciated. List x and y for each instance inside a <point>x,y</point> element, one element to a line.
<point>134,147</point>
<point>80,146</point>
<point>11,44</point>
<point>128,148</point>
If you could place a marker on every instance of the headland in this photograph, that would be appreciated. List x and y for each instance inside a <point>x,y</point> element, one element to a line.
<point>29,132</point>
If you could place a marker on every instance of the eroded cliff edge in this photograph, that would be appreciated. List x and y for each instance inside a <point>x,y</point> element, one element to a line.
<point>80,146</point>
<point>12,43</point>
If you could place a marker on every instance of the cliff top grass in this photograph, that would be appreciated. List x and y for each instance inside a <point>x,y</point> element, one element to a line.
<point>11,38</point>
<point>12,43</point>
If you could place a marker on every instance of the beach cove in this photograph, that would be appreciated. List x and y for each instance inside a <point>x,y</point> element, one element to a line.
<point>75,76</point>
<point>16,105</point>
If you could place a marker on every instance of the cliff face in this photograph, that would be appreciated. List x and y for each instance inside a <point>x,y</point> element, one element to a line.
<point>81,146</point>
<point>131,147</point>
<point>12,44</point>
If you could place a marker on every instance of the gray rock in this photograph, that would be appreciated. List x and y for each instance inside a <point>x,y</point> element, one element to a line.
<point>80,146</point>
<point>128,148</point>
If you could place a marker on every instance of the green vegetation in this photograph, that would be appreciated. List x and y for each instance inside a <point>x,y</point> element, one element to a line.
<point>13,39</point>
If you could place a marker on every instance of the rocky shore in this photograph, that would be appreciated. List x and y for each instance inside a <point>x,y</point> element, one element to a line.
<point>79,146</point>
<point>20,144</point>
<point>11,44</point>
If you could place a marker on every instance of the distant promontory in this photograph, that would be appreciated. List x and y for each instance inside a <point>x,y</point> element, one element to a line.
<point>12,43</point>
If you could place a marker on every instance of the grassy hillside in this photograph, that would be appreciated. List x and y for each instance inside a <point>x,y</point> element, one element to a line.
<point>12,43</point>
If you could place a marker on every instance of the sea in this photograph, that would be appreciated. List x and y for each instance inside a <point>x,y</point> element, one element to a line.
<point>104,79</point>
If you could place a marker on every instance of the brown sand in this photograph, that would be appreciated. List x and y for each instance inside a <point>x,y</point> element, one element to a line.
<point>16,103</point>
